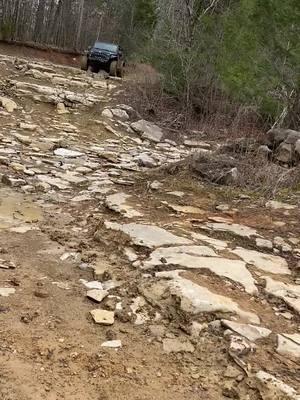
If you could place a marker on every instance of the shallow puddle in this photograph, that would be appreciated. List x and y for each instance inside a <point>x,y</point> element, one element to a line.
<point>16,209</point>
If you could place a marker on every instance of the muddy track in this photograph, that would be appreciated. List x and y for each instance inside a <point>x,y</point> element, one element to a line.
<point>192,297</point>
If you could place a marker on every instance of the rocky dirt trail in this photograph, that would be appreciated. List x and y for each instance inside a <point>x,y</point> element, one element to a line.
<point>119,281</point>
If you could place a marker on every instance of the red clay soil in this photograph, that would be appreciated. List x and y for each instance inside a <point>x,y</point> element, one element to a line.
<point>51,55</point>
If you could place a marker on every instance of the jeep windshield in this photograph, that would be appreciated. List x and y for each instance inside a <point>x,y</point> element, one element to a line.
<point>106,46</point>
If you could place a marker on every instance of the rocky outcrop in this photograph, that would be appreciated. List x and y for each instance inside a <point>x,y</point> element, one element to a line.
<point>219,168</point>
<point>285,144</point>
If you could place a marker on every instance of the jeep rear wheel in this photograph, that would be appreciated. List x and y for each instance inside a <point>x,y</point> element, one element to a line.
<point>113,68</point>
<point>120,71</point>
<point>84,63</point>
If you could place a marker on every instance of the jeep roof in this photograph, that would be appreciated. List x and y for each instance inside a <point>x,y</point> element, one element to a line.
<point>106,46</point>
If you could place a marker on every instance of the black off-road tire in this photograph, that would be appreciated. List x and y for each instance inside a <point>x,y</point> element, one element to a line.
<point>120,71</point>
<point>84,63</point>
<point>113,68</point>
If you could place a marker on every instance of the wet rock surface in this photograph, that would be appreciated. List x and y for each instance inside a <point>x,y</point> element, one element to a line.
<point>120,282</point>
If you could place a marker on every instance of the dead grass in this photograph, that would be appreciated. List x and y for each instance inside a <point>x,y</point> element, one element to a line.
<point>212,113</point>
<point>266,178</point>
<point>256,176</point>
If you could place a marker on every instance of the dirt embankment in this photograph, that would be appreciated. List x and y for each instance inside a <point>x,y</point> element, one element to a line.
<point>33,51</point>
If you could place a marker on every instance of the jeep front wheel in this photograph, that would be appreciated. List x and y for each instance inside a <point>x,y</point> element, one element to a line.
<point>84,63</point>
<point>113,68</point>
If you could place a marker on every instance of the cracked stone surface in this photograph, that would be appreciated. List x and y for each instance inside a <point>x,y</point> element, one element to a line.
<point>118,203</point>
<point>148,235</point>
<point>198,299</point>
<point>263,261</point>
<point>272,388</point>
<point>285,291</point>
<point>235,229</point>
<point>289,346</point>
<point>251,332</point>
<point>201,283</point>
<point>201,257</point>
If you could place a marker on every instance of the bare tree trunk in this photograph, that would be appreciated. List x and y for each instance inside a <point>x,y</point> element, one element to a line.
<point>79,27</point>
<point>39,23</point>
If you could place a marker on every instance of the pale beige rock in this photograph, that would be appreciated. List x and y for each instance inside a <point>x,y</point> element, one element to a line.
<point>100,269</point>
<point>67,153</point>
<point>184,209</point>
<point>239,346</point>
<point>23,139</point>
<point>5,292</point>
<point>198,299</point>
<point>281,244</point>
<point>55,182</point>
<point>8,104</point>
<point>97,294</point>
<point>71,177</point>
<point>235,229</point>
<point>28,127</point>
<point>203,257</point>
<point>288,347</point>
<point>197,143</point>
<point>17,167</point>
<point>264,243</point>
<point>285,291</point>
<point>118,202</point>
<point>215,243</point>
<point>147,130</point>
<point>147,235</point>
<point>295,337</point>
<point>107,113</point>
<point>272,388</point>
<point>112,344</point>
<point>103,317</point>
<point>120,114</point>
<point>265,262</point>
<point>277,205</point>
<point>251,332</point>
<point>176,193</point>
<point>61,109</point>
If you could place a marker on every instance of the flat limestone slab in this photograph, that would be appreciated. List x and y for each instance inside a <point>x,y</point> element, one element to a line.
<point>295,337</point>
<point>203,257</point>
<point>290,294</point>
<point>103,317</point>
<point>277,205</point>
<point>67,153</point>
<point>112,344</point>
<point>5,292</point>
<point>265,262</point>
<point>148,235</point>
<point>272,388</point>
<point>97,295</point>
<point>147,130</point>
<point>184,209</point>
<point>52,181</point>
<point>250,332</point>
<point>118,203</point>
<point>215,243</point>
<point>198,299</point>
<point>236,229</point>
<point>8,104</point>
<point>288,347</point>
